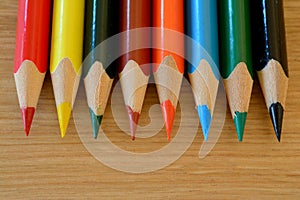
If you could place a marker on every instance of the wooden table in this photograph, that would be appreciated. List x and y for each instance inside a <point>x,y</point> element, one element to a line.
<point>47,167</point>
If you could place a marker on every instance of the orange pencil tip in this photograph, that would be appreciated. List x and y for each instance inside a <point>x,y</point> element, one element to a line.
<point>169,137</point>
<point>27,115</point>
<point>133,121</point>
<point>168,113</point>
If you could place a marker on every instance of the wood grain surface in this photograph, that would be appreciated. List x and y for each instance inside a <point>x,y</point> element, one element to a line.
<point>44,166</point>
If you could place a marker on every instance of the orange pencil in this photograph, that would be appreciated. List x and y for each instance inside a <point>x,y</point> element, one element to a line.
<point>168,20</point>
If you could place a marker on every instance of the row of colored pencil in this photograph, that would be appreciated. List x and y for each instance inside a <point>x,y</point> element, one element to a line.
<point>221,27</point>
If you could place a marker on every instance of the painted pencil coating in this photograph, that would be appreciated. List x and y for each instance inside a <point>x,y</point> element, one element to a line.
<point>31,54</point>
<point>168,15</point>
<point>270,58</point>
<point>202,27</point>
<point>234,35</point>
<point>135,14</point>
<point>32,39</point>
<point>67,33</point>
<point>235,58</point>
<point>268,33</point>
<point>101,22</point>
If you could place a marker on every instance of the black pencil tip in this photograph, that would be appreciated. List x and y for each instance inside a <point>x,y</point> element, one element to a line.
<point>276,113</point>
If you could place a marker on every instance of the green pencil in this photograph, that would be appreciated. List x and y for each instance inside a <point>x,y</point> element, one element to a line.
<point>235,58</point>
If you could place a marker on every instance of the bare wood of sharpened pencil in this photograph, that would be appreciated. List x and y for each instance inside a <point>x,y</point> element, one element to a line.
<point>97,86</point>
<point>204,85</point>
<point>28,83</point>
<point>239,86</point>
<point>132,75</point>
<point>274,83</point>
<point>168,86</point>
<point>65,82</point>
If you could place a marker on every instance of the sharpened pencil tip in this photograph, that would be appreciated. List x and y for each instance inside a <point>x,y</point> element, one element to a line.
<point>239,122</point>
<point>27,116</point>
<point>168,114</point>
<point>276,113</point>
<point>64,113</point>
<point>205,120</point>
<point>133,121</point>
<point>96,122</point>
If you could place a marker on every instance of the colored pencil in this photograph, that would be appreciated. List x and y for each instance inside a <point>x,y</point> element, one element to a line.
<point>202,26</point>
<point>100,24</point>
<point>66,56</point>
<point>169,66</point>
<point>235,58</point>
<point>134,70</point>
<point>31,55</point>
<point>270,58</point>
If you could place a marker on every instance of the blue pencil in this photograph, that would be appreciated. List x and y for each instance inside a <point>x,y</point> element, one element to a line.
<point>202,27</point>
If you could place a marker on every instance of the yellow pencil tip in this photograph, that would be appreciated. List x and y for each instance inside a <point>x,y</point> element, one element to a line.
<point>64,112</point>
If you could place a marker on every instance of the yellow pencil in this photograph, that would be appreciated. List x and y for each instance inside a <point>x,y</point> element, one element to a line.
<point>66,56</point>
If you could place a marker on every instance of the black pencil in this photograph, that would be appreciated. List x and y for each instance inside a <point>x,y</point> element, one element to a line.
<point>270,58</point>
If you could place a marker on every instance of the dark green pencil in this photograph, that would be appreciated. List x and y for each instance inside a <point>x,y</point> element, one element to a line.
<point>98,72</point>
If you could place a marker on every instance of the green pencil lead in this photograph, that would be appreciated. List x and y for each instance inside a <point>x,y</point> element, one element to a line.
<point>239,122</point>
<point>96,122</point>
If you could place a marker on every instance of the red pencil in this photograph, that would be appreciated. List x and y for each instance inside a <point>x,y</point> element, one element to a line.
<point>135,66</point>
<point>168,16</point>
<point>31,55</point>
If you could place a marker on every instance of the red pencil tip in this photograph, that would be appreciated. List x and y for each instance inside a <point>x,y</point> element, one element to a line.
<point>133,121</point>
<point>168,114</point>
<point>27,115</point>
